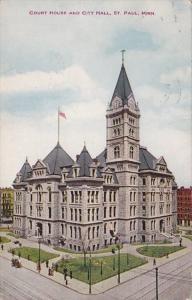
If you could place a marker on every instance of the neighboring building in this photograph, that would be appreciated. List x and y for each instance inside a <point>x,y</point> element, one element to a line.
<point>184,206</point>
<point>6,204</point>
<point>124,189</point>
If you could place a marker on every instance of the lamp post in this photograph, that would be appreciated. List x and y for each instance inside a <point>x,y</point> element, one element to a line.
<point>90,273</point>
<point>39,260</point>
<point>116,238</point>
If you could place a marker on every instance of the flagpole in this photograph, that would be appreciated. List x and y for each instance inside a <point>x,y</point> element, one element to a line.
<point>58,126</point>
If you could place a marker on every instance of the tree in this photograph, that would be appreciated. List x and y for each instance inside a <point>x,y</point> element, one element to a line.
<point>85,242</point>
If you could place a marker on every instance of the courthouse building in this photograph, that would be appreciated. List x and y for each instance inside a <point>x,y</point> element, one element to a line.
<point>125,188</point>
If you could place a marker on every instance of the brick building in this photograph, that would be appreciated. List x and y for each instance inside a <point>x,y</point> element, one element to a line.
<point>184,206</point>
<point>6,204</point>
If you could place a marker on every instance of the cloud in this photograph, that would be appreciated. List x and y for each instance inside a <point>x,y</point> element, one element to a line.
<point>73,77</point>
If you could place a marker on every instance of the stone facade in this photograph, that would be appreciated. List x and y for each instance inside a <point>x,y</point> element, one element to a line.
<point>124,191</point>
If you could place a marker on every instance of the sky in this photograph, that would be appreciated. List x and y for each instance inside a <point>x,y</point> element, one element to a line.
<point>68,54</point>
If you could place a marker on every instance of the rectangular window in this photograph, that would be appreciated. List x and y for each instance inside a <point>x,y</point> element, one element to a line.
<point>49,209</point>
<point>62,213</point>
<point>105,212</point>
<point>114,211</point>
<point>71,214</point>
<point>105,197</point>
<point>97,214</point>
<point>110,212</point>
<point>88,215</point>
<point>49,228</point>
<point>80,215</point>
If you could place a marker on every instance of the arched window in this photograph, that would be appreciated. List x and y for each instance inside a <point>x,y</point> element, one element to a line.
<point>131,152</point>
<point>116,152</point>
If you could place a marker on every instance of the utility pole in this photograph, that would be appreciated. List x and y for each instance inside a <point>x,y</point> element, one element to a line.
<point>156,283</point>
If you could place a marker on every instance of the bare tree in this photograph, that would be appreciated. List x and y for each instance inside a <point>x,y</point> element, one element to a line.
<point>85,242</point>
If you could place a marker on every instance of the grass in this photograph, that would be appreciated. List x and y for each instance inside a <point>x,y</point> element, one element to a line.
<point>158,251</point>
<point>104,250</point>
<point>65,250</point>
<point>80,272</point>
<point>13,234</point>
<point>4,240</point>
<point>34,254</point>
<point>4,229</point>
<point>188,237</point>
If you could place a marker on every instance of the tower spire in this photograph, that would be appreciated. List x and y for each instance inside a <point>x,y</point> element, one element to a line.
<point>122,52</point>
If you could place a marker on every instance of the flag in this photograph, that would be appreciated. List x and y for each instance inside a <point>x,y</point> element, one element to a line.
<point>62,114</point>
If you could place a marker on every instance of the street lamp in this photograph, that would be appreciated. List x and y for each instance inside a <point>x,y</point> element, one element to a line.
<point>90,272</point>
<point>116,238</point>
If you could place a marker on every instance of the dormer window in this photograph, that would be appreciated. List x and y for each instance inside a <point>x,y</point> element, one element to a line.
<point>94,172</point>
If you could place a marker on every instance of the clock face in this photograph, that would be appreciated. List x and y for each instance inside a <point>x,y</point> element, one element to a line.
<point>117,102</point>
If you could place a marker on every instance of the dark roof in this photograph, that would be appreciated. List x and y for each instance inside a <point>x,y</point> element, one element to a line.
<point>123,88</point>
<point>147,160</point>
<point>57,159</point>
<point>84,161</point>
<point>102,158</point>
<point>25,171</point>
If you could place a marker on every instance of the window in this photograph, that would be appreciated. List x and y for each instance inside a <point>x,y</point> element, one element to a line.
<point>75,214</point>
<point>89,230</point>
<point>79,232</point>
<point>114,211</point>
<point>144,181</point>
<point>131,152</point>
<point>30,224</point>
<point>143,196</point>
<point>143,225</point>
<point>110,211</point>
<point>130,196</point>
<point>71,232</point>
<point>105,196</point>
<point>71,214</point>
<point>88,215</point>
<point>80,215</point>
<point>72,197</point>
<point>97,231</point>
<point>116,152</point>
<point>62,229</point>
<point>105,228</point>
<point>97,214</point>
<point>49,210</point>
<point>49,228</point>
<point>62,213</point>
<point>93,212</point>
<point>105,212</point>
<point>31,210</point>
<point>49,192</point>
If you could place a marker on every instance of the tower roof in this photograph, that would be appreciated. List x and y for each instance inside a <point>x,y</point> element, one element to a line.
<point>84,161</point>
<point>57,159</point>
<point>123,88</point>
<point>25,171</point>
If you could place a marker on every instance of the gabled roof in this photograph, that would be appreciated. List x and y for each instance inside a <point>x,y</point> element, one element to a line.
<point>57,159</point>
<point>161,161</point>
<point>123,88</point>
<point>102,158</point>
<point>147,160</point>
<point>25,171</point>
<point>84,161</point>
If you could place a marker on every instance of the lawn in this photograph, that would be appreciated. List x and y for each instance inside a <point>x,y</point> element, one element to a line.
<point>103,250</point>
<point>109,266</point>
<point>34,254</point>
<point>13,234</point>
<point>4,239</point>
<point>158,251</point>
<point>188,237</point>
<point>4,229</point>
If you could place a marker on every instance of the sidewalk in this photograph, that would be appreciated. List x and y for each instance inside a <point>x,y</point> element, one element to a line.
<point>102,286</point>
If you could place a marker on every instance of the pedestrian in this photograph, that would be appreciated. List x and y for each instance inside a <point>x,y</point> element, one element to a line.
<point>71,275</point>
<point>154,262</point>
<point>19,254</point>
<point>28,257</point>
<point>66,282</point>
<point>47,263</point>
<point>49,271</point>
<point>167,255</point>
<point>180,242</point>
<point>56,267</point>
<point>2,247</point>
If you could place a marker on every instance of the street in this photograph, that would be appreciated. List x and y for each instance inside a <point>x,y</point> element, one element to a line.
<point>175,283</point>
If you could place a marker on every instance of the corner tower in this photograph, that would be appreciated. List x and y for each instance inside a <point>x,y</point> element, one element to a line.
<point>123,148</point>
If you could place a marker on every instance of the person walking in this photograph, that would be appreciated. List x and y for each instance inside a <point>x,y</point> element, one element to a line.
<point>2,247</point>
<point>154,262</point>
